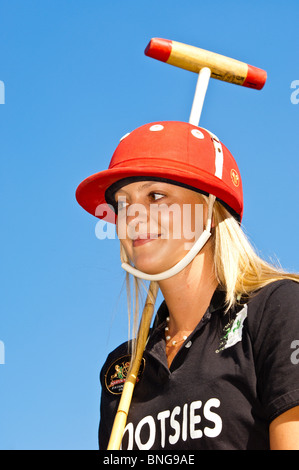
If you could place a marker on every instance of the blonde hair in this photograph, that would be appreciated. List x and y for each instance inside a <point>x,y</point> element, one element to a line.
<point>135,298</point>
<point>238,268</point>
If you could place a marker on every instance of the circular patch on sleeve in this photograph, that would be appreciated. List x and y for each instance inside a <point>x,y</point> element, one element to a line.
<point>117,372</point>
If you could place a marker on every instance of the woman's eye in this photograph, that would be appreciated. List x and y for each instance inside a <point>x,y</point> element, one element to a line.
<point>121,204</point>
<point>156,196</point>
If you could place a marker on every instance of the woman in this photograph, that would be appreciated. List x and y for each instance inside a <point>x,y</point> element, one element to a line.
<point>220,369</point>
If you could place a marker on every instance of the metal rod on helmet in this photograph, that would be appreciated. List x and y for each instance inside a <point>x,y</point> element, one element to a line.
<point>200,93</point>
<point>127,393</point>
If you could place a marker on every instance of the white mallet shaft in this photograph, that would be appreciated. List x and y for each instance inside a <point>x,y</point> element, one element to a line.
<point>199,96</point>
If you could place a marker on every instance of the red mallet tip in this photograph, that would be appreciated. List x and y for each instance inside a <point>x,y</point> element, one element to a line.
<point>256,78</point>
<point>159,49</point>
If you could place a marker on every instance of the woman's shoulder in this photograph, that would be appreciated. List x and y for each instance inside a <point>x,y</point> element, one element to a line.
<point>273,326</point>
<point>284,290</point>
<point>121,350</point>
<point>274,306</point>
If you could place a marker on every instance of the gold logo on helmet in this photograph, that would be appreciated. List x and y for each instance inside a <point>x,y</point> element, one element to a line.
<point>235,177</point>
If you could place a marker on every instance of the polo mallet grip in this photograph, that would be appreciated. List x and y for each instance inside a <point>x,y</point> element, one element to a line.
<point>194,59</point>
<point>127,393</point>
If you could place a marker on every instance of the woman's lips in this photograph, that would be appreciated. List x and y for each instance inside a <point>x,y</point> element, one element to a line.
<point>148,237</point>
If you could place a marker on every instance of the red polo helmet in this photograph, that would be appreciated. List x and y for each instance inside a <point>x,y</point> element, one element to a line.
<point>171,151</point>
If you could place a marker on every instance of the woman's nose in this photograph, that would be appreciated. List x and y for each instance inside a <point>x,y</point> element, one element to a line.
<point>137,213</point>
<point>133,218</point>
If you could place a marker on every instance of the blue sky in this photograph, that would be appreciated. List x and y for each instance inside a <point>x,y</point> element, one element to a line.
<point>76,80</point>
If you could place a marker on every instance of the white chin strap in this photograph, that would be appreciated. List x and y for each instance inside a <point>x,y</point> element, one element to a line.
<point>185,261</point>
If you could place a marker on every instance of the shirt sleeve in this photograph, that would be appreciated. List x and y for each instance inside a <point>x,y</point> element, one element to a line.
<point>276,347</point>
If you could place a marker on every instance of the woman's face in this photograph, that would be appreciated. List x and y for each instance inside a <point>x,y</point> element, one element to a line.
<point>158,223</point>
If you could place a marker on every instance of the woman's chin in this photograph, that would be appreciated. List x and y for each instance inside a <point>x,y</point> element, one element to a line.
<point>154,258</point>
<point>152,264</point>
<point>149,267</point>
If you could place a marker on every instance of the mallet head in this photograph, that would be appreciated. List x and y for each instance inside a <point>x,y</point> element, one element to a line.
<point>194,59</point>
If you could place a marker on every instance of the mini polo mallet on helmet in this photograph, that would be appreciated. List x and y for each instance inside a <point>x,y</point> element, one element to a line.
<point>191,156</point>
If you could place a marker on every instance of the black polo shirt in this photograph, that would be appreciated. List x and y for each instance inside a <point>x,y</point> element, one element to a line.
<point>232,376</point>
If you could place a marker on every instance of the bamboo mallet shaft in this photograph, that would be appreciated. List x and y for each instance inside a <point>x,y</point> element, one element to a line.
<point>127,393</point>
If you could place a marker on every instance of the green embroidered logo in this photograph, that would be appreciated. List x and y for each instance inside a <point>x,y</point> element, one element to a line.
<point>233,331</point>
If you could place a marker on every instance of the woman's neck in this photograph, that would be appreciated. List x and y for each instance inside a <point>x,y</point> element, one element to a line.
<point>188,294</point>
